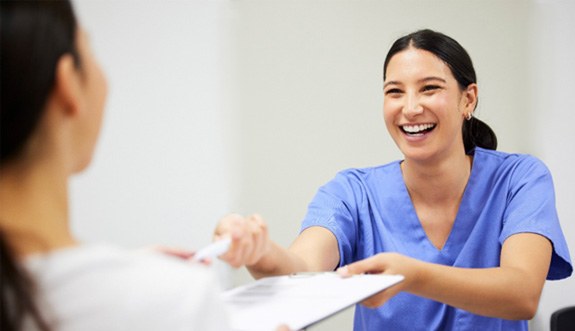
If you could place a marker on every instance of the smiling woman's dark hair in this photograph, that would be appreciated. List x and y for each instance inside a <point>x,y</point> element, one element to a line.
<point>34,35</point>
<point>475,132</point>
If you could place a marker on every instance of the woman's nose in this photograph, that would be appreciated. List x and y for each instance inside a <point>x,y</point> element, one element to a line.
<point>412,107</point>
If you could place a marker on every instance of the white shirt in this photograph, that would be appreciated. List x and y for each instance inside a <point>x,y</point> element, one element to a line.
<point>105,288</point>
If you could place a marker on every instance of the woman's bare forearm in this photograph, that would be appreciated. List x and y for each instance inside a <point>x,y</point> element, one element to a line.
<point>277,261</point>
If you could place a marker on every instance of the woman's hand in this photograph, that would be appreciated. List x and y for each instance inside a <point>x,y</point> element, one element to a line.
<point>250,239</point>
<point>388,264</point>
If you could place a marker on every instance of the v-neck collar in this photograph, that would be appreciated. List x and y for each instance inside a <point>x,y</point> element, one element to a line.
<point>462,225</point>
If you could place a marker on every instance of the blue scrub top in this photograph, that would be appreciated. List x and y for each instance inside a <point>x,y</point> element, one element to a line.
<point>369,211</point>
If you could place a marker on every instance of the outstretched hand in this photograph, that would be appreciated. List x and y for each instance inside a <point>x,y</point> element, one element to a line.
<point>250,239</point>
<point>179,253</point>
<point>388,264</point>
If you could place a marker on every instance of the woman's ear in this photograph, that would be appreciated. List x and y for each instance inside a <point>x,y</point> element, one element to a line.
<point>67,86</point>
<point>469,99</point>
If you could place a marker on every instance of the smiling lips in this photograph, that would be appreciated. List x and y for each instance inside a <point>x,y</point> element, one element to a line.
<point>417,129</point>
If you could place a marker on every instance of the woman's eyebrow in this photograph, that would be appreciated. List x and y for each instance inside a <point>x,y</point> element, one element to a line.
<point>391,82</point>
<point>423,80</point>
<point>432,78</point>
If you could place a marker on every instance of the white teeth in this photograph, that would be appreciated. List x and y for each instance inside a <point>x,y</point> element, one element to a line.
<point>417,128</point>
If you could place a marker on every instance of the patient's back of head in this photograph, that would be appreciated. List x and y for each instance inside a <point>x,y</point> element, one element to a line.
<point>83,286</point>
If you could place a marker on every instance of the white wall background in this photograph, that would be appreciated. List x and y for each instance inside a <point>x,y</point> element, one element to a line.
<point>161,173</point>
<point>251,105</point>
<point>552,51</point>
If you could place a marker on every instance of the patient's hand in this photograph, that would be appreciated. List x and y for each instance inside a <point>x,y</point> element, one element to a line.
<point>180,253</point>
<point>173,251</point>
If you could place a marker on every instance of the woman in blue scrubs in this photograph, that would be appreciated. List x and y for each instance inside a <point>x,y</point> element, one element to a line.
<point>474,231</point>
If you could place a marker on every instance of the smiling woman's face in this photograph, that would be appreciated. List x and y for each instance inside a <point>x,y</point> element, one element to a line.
<point>424,105</point>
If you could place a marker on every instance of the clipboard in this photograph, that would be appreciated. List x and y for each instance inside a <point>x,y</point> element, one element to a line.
<point>299,300</point>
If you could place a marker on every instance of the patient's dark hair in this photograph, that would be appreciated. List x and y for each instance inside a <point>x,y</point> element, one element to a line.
<point>33,35</point>
<point>475,132</point>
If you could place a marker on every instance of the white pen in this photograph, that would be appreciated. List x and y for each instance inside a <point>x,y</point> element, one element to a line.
<point>213,250</point>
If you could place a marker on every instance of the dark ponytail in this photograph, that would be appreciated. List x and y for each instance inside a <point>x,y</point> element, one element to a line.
<point>475,132</point>
<point>33,35</point>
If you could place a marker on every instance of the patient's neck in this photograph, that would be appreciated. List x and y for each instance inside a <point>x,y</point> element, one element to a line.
<point>34,206</point>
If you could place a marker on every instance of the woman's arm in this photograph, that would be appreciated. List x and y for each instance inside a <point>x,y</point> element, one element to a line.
<point>511,291</point>
<point>315,249</point>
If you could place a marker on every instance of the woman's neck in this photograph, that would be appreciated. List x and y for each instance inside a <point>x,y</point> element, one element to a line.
<point>437,182</point>
<point>34,207</point>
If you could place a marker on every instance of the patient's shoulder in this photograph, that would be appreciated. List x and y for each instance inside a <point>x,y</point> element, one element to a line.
<point>104,287</point>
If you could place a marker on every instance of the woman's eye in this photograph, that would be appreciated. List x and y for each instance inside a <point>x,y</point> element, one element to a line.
<point>392,91</point>
<point>428,88</point>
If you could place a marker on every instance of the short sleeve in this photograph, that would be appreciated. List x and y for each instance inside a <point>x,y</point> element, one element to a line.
<point>531,208</point>
<point>334,207</point>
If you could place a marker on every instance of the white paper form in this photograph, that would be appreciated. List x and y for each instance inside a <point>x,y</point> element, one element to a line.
<point>299,300</point>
